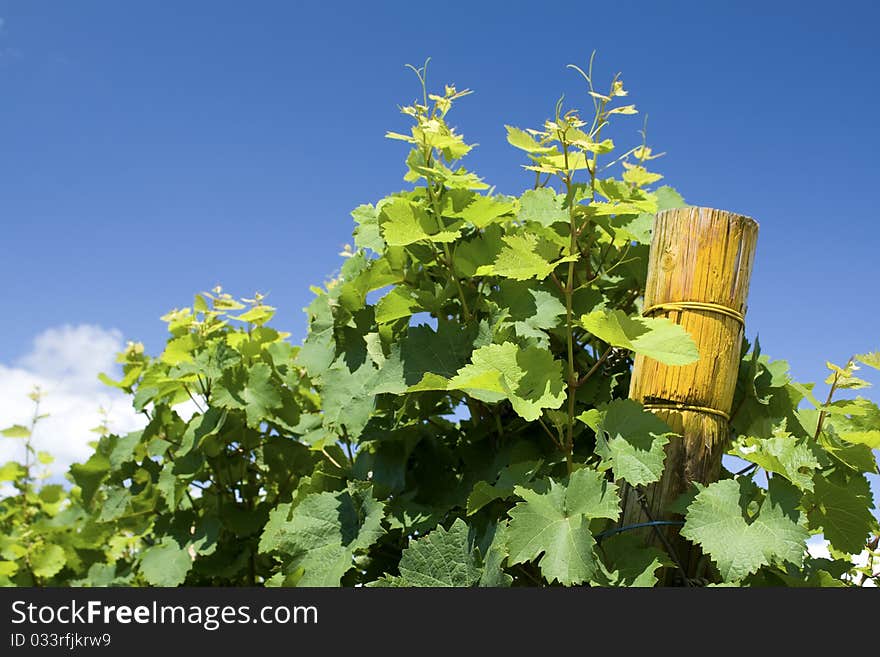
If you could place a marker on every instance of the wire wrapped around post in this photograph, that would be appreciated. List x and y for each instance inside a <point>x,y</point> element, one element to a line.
<point>699,270</point>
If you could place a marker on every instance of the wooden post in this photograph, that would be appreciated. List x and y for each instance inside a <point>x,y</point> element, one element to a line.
<point>699,269</point>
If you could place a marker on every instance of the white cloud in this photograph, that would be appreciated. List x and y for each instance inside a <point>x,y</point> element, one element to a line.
<point>72,356</point>
<point>64,362</point>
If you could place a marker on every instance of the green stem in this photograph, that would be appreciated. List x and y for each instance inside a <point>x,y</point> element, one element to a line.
<point>569,321</point>
<point>595,366</point>
<point>448,261</point>
<point>29,511</point>
<point>822,414</point>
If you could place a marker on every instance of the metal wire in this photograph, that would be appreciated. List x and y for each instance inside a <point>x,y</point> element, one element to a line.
<point>638,525</point>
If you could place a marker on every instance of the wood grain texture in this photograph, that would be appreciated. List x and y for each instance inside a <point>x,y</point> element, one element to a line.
<point>697,255</point>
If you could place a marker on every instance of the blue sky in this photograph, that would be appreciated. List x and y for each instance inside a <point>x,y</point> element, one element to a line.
<point>152,150</point>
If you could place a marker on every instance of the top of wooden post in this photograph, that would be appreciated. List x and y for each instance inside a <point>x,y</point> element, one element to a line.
<point>703,255</point>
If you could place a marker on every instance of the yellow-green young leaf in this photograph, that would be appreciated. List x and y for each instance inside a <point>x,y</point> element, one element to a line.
<point>179,350</point>
<point>871,359</point>
<point>542,206</point>
<point>574,161</point>
<point>404,223</point>
<point>11,470</point>
<point>668,198</point>
<point>8,568</point>
<point>843,378</point>
<point>479,210</point>
<point>47,560</point>
<point>624,109</point>
<point>397,135</point>
<point>226,302</point>
<point>869,437</point>
<point>639,175</point>
<point>524,141</point>
<point>397,304</point>
<point>16,431</point>
<point>656,338</point>
<point>520,260</point>
<point>600,147</point>
<point>132,374</point>
<point>258,315</point>
<point>430,381</point>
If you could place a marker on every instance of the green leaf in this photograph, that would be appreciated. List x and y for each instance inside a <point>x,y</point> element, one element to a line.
<point>542,206</point>
<point>520,260</point>
<point>841,506</point>
<point>623,109</point>
<point>360,516</point>
<point>89,475</point>
<point>441,559</point>
<point>737,544</point>
<point>11,470</point>
<point>626,561</point>
<point>532,310</point>
<point>347,395</point>
<point>871,359</point>
<point>870,437</point>
<point>530,378</point>
<point>180,350</point>
<point>495,556</point>
<point>318,349</point>
<point>320,534</point>
<point>361,276</point>
<point>640,176</point>
<point>423,353</point>
<point>166,563</point>
<point>555,524</point>
<point>100,574</point>
<point>405,223</point>
<point>258,315</point>
<point>524,141</point>
<point>310,539</point>
<point>251,390</point>
<point>631,442</point>
<point>47,560</point>
<point>16,431</point>
<point>115,505</point>
<point>668,198</point>
<point>478,253</point>
<point>511,476</point>
<point>656,338</point>
<point>397,304</point>
<point>476,209</point>
<point>782,453</point>
<point>366,234</point>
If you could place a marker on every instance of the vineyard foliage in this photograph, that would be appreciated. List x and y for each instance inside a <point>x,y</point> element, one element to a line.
<point>457,414</point>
